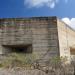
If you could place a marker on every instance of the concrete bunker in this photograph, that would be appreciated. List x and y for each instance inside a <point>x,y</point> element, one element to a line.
<point>17,49</point>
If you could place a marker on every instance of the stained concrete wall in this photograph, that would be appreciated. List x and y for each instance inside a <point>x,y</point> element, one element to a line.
<point>41,32</point>
<point>49,36</point>
<point>66,37</point>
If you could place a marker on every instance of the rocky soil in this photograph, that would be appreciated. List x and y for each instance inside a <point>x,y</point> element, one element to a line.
<point>19,71</point>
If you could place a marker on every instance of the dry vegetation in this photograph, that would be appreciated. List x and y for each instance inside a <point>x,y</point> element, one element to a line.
<point>23,62</point>
<point>17,60</point>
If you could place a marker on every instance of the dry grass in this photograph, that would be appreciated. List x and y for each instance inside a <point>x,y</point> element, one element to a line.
<point>18,60</point>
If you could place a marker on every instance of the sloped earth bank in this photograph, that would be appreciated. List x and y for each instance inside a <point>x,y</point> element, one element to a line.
<point>19,71</point>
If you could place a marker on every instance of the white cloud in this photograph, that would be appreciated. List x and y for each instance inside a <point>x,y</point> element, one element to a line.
<point>40,3</point>
<point>70,22</point>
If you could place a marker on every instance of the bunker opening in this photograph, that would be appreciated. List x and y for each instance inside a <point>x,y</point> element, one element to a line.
<point>72,51</point>
<point>17,49</point>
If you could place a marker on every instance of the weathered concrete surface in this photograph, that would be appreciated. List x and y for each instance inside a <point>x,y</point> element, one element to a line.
<point>40,32</point>
<point>48,36</point>
<point>66,37</point>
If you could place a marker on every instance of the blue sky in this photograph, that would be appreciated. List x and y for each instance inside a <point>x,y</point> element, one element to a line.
<point>64,9</point>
